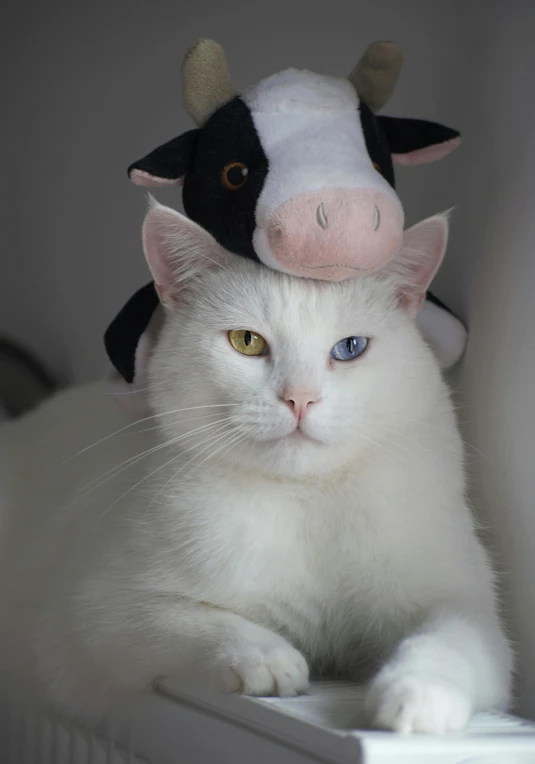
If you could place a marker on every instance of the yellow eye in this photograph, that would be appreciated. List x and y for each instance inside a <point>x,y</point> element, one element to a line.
<point>247,342</point>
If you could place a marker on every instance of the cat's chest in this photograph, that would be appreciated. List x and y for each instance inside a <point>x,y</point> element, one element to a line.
<point>278,541</point>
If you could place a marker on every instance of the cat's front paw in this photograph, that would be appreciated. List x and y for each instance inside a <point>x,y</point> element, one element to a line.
<point>417,703</point>
<point>268,668</point>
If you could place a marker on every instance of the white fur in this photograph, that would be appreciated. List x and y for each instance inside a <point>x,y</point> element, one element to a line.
<point>240,553</point>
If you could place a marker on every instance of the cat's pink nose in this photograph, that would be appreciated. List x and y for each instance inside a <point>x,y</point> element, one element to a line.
<point>299,400</point>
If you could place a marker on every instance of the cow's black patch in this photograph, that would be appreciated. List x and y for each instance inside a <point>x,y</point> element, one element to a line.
<point>228,214</point>
<point>405,135</point>
<point>123,334</point>
<point>376,143</point>
<point>170,161</point>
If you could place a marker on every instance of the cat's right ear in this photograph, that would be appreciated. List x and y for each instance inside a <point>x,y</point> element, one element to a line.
<point>421,255</point>
<point>177,250</point>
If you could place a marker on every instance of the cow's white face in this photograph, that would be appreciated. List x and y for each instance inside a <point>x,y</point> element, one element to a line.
<point>324,210</point>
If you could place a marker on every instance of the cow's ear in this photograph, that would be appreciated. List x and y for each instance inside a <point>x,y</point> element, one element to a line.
<point>166,165</point>
<point>417,141</point>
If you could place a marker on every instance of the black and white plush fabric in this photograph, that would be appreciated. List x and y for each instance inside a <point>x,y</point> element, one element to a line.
<point>296,173</point>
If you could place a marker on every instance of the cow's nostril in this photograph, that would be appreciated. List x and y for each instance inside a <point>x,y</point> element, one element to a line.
<point>376,217</point>
<point>321,217</point>
<point>277,233</point>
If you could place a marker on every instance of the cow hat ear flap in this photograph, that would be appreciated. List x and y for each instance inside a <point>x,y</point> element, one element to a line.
<point>417,141</point>
<point>124,336</point>
<point>166,165</point>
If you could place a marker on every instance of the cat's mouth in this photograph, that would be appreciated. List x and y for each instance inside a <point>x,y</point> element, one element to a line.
<point>293,437</point>
<point>298,436</point>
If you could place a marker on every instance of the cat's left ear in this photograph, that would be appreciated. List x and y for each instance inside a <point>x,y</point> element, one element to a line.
<point>424,246</point>
<point>177,250</point>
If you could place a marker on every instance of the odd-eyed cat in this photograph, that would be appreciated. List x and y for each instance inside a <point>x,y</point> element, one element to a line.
<point>302,507</point>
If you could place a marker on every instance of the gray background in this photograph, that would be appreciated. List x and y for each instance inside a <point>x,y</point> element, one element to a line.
<point>89,87</point>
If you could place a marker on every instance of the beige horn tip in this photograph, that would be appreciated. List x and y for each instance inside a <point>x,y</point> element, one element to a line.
<point>206,82</point>
<point>376,74</point>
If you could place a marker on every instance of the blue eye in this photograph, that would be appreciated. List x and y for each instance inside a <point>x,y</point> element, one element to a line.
<point>349,348</point>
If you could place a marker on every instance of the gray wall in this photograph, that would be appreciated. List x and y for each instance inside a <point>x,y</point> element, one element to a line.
<point>90,87</point>
<point>494,261</point>
<point>93,86</point>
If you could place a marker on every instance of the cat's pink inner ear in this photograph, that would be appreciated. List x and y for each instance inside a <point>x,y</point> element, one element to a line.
<point>424,246</point>
<point>177,250</point>
<point>156,248</point>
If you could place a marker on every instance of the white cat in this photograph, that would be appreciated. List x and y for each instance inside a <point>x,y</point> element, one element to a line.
<point>302,507</point>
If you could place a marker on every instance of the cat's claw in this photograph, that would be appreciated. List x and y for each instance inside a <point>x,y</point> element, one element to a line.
<point>413,703</point>
<point>265,670</point>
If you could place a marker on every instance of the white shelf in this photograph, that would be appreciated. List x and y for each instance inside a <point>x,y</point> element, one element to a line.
<point>185,726</point>
<point>325,726</point>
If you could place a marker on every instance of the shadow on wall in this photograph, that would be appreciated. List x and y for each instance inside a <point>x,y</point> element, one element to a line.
<point>495,241</point>
<point>24,382</point>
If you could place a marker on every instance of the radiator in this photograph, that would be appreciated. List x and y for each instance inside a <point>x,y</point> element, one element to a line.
<point>34,737</point>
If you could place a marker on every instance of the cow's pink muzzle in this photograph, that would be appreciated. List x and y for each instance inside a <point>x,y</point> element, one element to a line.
<point>335,233</point>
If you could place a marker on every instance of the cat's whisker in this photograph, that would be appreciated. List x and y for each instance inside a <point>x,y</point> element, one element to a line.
<point>209,441</point>
<point>388,448</point>
<point>232,444</point>
<point>172,442</point>
<point>138,457</point>
<point>145,419</point>
<point>475,449</point>
<point>158,469</point>
<point>241,435</point>
<point>410,453</point>
<point>240,430</point>
<point>159,426</point>
<point>426,424</point>
<point>173,477</point>
<point>155,386</point>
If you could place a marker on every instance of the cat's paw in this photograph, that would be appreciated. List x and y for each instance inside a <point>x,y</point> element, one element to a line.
<point>410,702</point>
<point>272,668</point>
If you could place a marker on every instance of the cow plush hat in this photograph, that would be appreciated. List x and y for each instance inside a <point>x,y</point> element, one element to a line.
<point>295,173</point>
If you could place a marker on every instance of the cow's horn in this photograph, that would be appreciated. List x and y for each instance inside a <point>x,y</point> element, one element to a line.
<point>206,80</point>
<point>375,76</point>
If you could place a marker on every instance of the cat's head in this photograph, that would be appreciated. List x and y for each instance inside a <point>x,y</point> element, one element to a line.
<point>271,372</point>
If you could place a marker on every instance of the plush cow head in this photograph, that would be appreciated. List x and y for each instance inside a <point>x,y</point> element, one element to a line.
<point>297,171</point>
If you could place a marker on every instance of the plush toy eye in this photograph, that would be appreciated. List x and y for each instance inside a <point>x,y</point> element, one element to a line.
<point>349,348</point>
<point>247,342</point>
<point>234,175</point>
